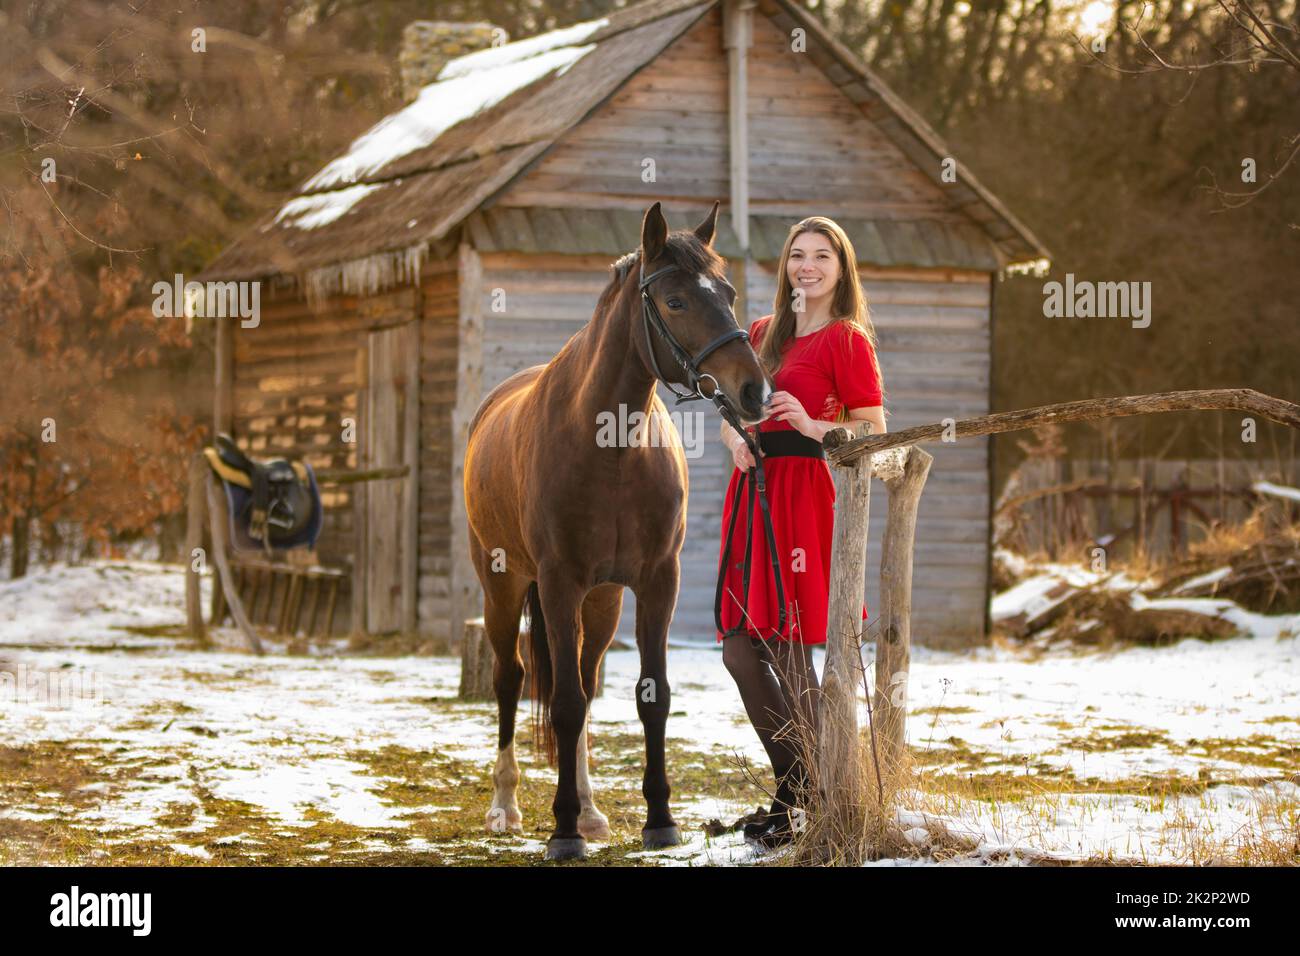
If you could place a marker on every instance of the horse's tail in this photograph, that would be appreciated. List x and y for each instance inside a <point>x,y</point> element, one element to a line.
<point>539,667</point>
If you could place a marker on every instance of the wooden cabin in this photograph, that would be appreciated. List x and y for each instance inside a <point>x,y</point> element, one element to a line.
<point>469,234</point>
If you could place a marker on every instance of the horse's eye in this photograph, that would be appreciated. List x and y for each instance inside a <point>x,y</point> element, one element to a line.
<point>674,302</point>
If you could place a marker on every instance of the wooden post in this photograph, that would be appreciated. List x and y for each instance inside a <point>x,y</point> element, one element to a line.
<point>411,485</point>
<point>737,38</point>
<point>837,749</point>
<point>466,597</point>
<point>217,518</point>
<point>223,391</point>
<point>476,662</point>
<point>894,638</point>
<point>198,512</point>
<point>360,510</point>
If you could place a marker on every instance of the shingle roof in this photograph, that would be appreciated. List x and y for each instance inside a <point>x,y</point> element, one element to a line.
<point>419,173</point>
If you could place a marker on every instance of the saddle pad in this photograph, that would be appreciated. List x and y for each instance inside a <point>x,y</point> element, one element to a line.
<point>239,500</point>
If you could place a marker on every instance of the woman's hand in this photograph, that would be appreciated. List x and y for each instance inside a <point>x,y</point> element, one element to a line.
<point>740,454</point>
<point>784,407</point>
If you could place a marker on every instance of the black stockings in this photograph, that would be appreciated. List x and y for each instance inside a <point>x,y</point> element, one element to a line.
<point>778,685</point>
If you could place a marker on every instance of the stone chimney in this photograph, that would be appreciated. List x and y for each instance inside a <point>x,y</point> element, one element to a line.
<point>428,44</point>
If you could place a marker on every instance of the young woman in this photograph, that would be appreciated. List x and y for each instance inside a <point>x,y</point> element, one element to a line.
<point>819,347</point>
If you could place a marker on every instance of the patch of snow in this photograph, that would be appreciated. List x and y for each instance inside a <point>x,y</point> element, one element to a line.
<point>198,851</point>
<point>1202,580</point>
<point>1278,491</point>
<point>1017,565</point>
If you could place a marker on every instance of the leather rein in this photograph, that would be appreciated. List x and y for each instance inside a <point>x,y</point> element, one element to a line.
<point>754,479</point>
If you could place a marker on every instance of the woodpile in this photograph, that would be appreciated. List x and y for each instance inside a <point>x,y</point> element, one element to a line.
<point>1251,566</point>
<point>1263,576</point>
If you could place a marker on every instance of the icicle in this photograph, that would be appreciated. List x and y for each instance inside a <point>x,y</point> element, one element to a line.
<point>365,276</point>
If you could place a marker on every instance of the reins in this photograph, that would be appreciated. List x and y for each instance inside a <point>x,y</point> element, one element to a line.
<point>754,478</point>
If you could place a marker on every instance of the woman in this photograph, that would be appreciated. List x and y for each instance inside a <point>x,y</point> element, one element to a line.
<point>819,348</point>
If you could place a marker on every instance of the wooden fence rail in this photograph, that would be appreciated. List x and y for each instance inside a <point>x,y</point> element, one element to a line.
<point>855,457</point>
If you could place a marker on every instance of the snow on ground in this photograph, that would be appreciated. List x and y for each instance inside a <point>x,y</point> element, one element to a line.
<point>91,658</point>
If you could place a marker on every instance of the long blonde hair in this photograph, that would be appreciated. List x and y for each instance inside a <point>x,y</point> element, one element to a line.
<point>848,301</point>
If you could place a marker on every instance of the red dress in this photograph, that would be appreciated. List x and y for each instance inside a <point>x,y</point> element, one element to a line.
<point>828,369</point>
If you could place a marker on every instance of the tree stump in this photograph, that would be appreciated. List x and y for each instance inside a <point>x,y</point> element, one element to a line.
<point>477,660</point>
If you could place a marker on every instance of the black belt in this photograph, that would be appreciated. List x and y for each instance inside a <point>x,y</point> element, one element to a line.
<point>789,443</point>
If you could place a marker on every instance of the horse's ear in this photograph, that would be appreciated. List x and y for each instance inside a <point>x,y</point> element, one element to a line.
<point>705,230</point>
<point>654,234</point>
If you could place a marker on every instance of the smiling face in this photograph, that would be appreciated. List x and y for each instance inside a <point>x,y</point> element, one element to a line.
<point>813,265</point>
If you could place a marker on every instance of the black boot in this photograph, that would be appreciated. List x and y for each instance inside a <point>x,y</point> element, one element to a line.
<point>776,829</point>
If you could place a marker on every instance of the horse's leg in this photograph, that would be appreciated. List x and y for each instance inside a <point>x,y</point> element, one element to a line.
<point>600,614</point>
<point>562,599</point>
<point>655,600</point>
<point>503,602</point>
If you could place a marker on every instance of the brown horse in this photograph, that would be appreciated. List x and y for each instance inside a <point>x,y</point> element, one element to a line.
<point>566,519</point>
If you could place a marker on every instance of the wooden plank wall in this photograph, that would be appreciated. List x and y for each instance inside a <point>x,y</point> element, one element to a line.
<point>532,305</point>
<point>813,152</point>
<point>811,149</point>
<point>295,381</point>
<point>438,286</point>
<point>674,112</point>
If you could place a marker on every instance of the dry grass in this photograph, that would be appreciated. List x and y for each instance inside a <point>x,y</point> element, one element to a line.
<point>901,808</point>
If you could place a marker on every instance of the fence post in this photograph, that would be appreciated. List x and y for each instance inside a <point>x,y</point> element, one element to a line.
<point>894,638</point>
<point>837,746</point>
<point>196,519</point>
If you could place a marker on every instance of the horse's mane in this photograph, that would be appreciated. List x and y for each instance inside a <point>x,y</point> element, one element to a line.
<point>683,250</point>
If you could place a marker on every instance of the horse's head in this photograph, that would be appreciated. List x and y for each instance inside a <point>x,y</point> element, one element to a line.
<point>689,289</point>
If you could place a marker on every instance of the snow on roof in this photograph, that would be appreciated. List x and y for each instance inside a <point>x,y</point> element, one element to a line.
<point>464,88</point>
<point>320,209</point>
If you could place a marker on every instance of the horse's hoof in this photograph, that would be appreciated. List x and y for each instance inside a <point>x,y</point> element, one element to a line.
<point>503,819</point>
<point>594,825</point>
<point>566,848</point>
<point>657,838</point>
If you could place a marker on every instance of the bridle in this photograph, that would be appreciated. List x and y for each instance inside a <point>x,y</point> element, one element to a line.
<point>754,476</point>
<point>694,377</point>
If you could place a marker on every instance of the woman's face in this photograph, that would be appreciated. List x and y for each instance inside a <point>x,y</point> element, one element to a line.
<point>813,266</point>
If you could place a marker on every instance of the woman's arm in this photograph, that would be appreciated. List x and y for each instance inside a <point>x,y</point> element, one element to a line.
<point>816,429</point>
<point>730,436</point>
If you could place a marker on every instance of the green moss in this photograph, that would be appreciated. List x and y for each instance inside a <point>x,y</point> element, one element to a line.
<point>1128,740</point>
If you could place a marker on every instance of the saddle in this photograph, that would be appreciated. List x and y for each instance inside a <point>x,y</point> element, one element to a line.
<point>273,504</point>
